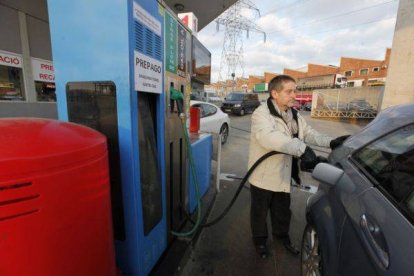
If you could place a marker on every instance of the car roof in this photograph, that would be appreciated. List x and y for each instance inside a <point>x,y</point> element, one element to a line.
<point>201,102</point>
<point>386,121</point>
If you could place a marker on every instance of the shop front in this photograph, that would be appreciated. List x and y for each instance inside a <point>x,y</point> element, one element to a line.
<point>11,77</point>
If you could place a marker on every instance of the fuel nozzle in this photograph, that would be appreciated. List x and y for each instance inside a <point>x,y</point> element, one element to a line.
<point>177,96</point>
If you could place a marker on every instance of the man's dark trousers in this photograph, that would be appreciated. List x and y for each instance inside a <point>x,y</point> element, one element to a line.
<point>279,205</point>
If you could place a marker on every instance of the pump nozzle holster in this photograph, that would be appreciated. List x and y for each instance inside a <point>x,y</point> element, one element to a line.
<point>177,96</point>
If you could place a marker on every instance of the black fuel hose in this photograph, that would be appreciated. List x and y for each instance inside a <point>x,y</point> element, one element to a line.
<point>236,195</point>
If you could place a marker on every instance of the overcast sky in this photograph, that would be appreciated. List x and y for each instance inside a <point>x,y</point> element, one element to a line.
<point>309,31</point>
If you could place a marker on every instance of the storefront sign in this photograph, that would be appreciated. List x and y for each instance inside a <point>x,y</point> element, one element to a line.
<point>170,43</point>
<point>43,70</point>
<point>147,19</point>
<point>11,59</point>
<point>148,73</point>
<point>190,20</point>
<point>182,59</point>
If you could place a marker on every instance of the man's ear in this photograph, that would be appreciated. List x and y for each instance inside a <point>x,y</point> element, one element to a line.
<point>273,94</point>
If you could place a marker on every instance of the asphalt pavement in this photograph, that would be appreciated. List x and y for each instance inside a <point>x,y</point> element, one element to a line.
<point>226,248</point>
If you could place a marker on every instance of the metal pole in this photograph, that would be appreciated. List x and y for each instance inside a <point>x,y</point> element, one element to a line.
<point>232,87</point>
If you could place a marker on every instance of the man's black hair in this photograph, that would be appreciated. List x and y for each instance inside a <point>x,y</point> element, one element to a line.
<point>277,83</point>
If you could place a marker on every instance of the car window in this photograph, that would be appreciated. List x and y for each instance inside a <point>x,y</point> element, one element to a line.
<point>207,110</point>
<point>390,162</point>
<point>234,97</point>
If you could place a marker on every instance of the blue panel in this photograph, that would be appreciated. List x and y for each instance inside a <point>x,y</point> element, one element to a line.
<point>95,40</point>
<point>202,154</point>
<point>139,36</point>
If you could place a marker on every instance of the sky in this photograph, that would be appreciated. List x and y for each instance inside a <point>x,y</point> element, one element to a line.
<point>308,31</point>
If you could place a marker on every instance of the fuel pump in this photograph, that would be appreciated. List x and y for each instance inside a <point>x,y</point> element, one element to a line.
<point>178,84</point>
<point>110,76</point>
<point>114,72</point>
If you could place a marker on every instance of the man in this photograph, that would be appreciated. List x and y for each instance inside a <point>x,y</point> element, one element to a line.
<point>276,126</point>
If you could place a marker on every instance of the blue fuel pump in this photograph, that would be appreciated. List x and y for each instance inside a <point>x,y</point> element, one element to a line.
<point>108,58</point>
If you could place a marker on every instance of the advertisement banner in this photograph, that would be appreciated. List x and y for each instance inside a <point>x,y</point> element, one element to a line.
<point>148,74</point>
<point>147,19</point>
<point>170,43</point>
<point>181,45</point>
<point>43,70</point>
<point>11,59</point>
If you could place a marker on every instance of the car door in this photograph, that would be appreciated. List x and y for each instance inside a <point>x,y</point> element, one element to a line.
<point>246,104</point>
<point>208,121</point>
<point>378,236</point>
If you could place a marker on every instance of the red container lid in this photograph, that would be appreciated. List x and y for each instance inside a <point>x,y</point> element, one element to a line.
<point>31,144</point>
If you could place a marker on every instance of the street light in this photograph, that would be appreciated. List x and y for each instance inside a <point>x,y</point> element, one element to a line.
<point>233,75</point>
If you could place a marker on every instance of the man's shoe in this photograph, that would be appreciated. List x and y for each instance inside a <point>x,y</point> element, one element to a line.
<point>262,251</point>
<point>289,247</point>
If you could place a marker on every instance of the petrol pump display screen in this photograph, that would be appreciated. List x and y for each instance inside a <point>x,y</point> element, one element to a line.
<point>93,104</point>
<point>201,62</point>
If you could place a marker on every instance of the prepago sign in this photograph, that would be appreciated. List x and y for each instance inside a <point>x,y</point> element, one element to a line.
<point>11,59</point>
<point>148,73</point>
<point>43,70</point>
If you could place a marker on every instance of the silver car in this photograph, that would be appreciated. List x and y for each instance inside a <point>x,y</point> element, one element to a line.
<point>360,222</point>
<point>213,120</point>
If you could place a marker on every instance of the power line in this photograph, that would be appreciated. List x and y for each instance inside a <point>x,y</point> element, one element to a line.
<point>343,28</point>
<point>334,16</point>
<point>284,7</point>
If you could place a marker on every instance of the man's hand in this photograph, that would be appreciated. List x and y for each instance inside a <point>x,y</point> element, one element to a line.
<point>308,160</point>
<point>338,141</point>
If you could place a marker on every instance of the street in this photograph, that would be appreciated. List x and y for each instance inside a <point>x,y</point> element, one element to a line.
<point>226,248</point>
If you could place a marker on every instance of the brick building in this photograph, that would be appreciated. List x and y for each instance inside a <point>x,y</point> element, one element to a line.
<point>222,88</point>
<point>268,76</point>
<point>294,73</point>
<point>365,72</point>
<point>253,80</point>
<point>359,72</point>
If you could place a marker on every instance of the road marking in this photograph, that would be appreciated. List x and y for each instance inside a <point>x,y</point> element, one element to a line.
<point>229,177</point>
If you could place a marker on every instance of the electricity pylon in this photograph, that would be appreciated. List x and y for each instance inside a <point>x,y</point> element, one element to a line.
<point>236,24</point>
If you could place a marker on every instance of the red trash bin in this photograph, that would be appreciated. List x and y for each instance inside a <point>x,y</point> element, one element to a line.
<point>55,213</point>
<point>194,119</point>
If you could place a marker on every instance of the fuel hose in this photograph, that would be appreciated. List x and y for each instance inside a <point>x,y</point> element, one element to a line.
<point>239,189</point>
<point>177,96</point>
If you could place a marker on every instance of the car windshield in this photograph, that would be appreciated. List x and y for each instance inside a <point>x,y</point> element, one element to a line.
<point>234,97</point>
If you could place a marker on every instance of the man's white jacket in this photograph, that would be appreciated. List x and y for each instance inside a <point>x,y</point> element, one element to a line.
<point>270,133</point>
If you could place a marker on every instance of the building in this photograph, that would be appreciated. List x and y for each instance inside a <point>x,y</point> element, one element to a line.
<point>222,88</point>
<point>27,86</point>
<point>365,72</point>
<point>400,82</point>
<point>359,72</point>
<point>26,70</point>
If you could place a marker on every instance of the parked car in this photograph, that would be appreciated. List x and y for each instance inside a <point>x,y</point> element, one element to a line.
<point>240,103</point>
<point>214,100</point>
<point>360,221</point>
<point>297,105</point>
<point>360,105</point>
<point>307,106</point>
<point>212,119</point>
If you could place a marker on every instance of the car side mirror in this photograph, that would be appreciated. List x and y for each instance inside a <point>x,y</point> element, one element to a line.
<point>327,173</point>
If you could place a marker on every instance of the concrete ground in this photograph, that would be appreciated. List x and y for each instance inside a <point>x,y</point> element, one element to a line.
<point>226,248</point>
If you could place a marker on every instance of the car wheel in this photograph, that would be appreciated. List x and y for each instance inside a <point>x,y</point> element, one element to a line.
<point>241,113</point>
<point>224,133</point>
<point>311,254</point>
